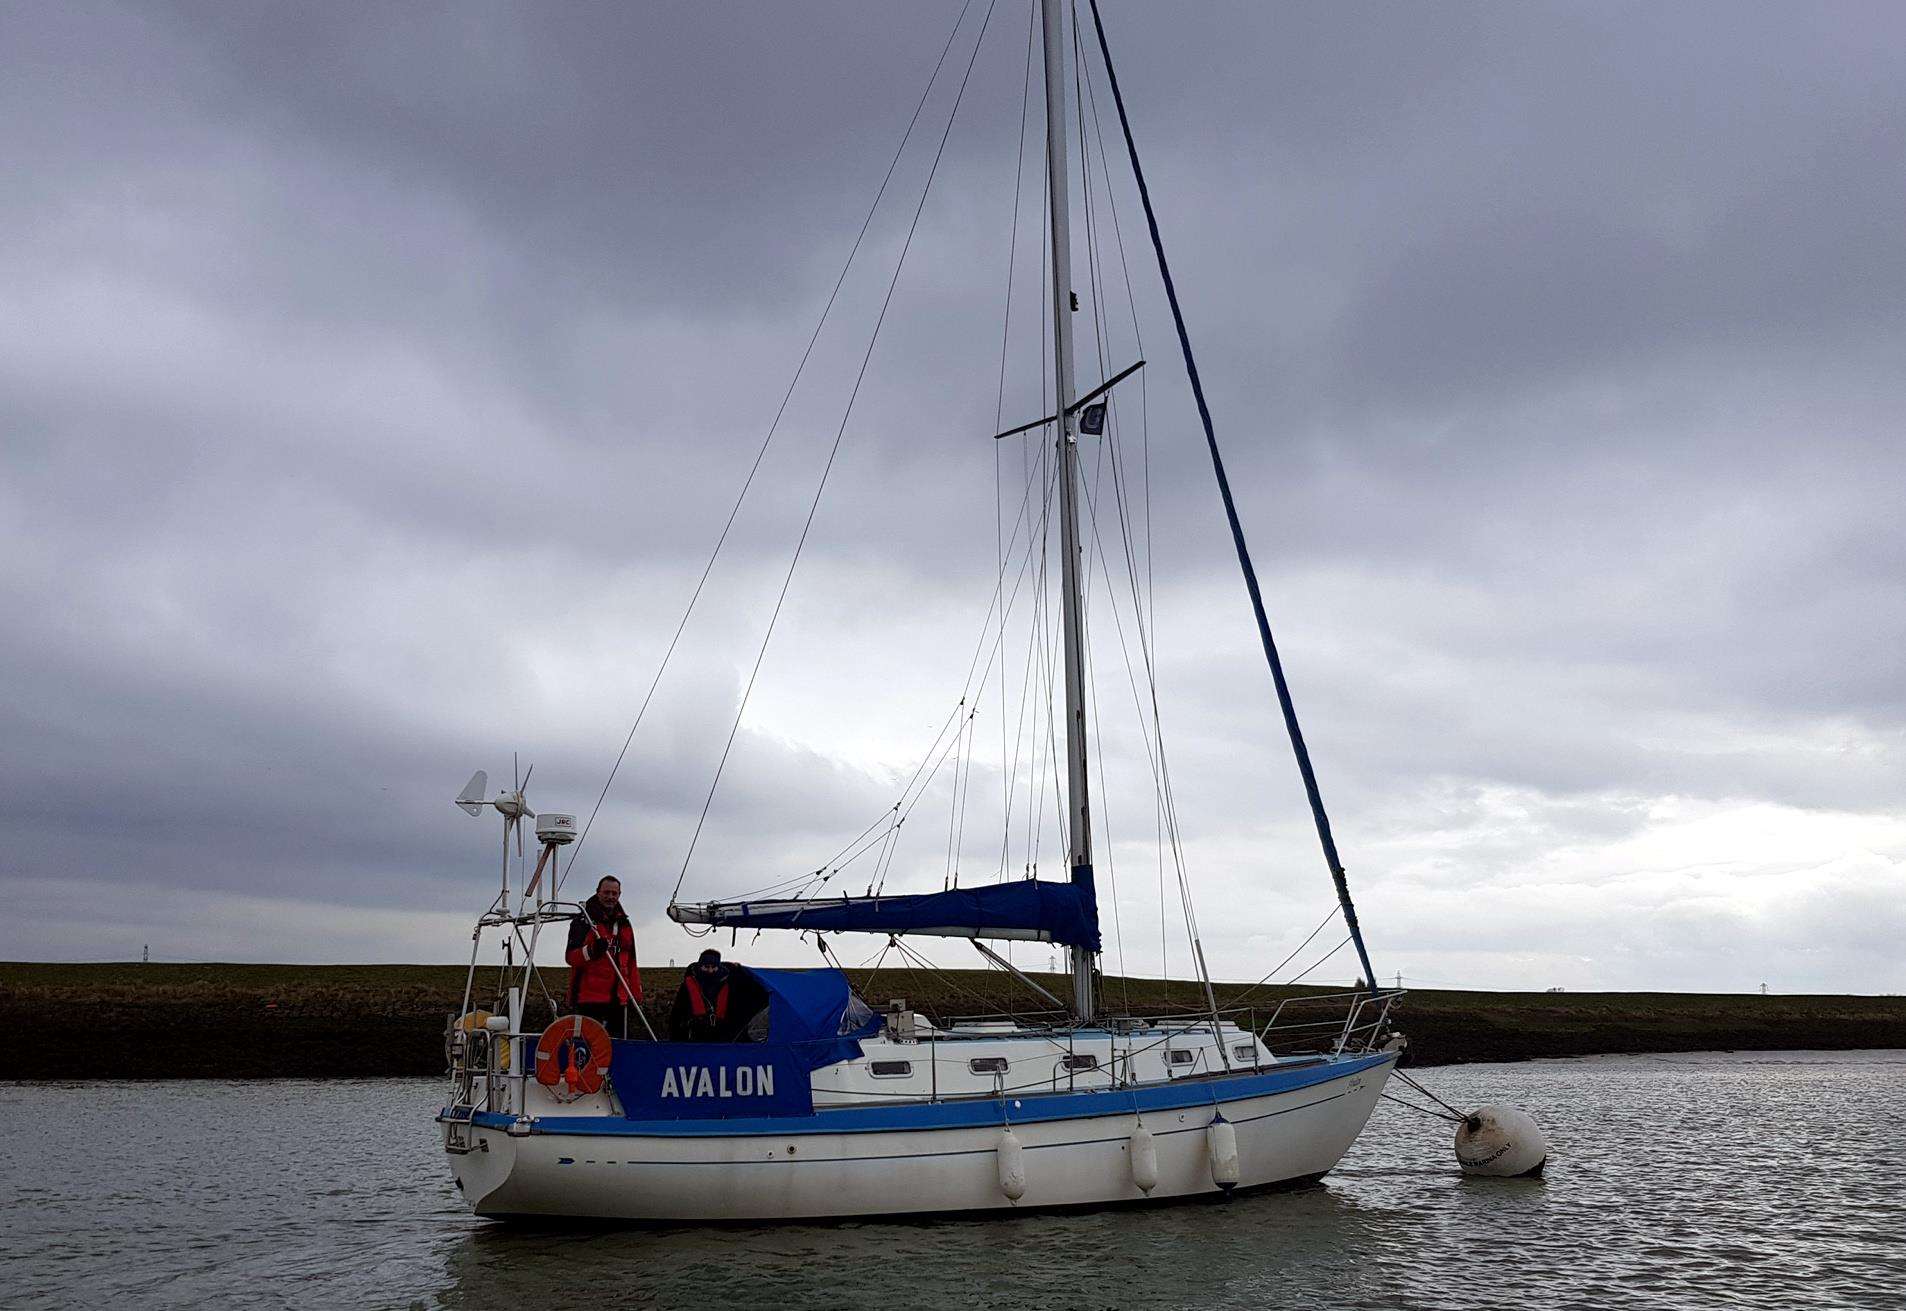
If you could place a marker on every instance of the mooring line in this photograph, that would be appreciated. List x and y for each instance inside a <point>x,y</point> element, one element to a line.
<point>1432,1096</point>
<point>1423,1109</point>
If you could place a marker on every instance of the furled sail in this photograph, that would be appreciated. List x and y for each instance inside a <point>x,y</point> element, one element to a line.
<point>1029,909</point>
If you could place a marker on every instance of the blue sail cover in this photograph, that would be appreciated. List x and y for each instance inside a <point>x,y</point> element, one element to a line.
<point>1065,913</point>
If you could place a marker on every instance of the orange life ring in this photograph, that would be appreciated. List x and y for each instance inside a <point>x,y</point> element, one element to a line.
<point>572,1057</point>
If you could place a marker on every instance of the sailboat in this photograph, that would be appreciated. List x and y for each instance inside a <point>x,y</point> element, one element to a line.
<point>834,1110</point>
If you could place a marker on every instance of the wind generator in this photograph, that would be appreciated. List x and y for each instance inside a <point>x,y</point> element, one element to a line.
<point>510,805</point>
<point>552,832</point>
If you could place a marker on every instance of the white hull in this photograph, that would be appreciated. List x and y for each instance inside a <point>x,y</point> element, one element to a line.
<point>808,1172</point>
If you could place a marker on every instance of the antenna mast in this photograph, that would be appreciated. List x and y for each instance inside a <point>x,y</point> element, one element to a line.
<point>1059,194</point>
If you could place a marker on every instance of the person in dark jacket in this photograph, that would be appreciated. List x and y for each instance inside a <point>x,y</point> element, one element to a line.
<point>603,980</point>
<point>710,1006</point>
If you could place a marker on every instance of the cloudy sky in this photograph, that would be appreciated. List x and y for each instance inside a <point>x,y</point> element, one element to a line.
<point>374,383</point>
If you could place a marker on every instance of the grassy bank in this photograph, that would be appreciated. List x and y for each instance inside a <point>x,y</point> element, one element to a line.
<point>250,1021</point>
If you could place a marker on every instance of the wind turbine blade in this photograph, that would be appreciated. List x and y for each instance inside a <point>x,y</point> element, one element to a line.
<point>518,825</point>
<point>516,772</point>
<point>470,800</point>
<point>524,787</point>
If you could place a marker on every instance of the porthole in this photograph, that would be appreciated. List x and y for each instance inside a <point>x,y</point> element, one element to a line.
<point>987,1065</point>
<point>891,1069</point>
<point>1180,1056</point>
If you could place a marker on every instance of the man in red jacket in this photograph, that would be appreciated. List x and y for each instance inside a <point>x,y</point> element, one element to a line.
<point>603,979</point>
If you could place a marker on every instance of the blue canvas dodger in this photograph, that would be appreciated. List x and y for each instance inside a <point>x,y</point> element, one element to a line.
<point>804,1012</point>
<point>729,1080</point>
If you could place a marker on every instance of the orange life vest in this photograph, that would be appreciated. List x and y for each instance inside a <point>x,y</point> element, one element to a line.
<point>698,1000</point>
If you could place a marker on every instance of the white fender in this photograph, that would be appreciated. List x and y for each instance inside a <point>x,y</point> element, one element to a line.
<point>1144,1149</point>
<point>1221,1144</point>
<point>1501,1142</point>
<point>1012,1166</point>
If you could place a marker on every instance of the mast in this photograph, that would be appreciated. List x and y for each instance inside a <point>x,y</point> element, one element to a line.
<point>1059,197</point>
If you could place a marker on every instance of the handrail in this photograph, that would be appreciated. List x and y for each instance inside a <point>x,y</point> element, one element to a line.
<point>1355,999</point>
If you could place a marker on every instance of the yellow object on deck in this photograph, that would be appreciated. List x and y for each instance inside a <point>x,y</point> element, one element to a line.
<point>479,1020</point>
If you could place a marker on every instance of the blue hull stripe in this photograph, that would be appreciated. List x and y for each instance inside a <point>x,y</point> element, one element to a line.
<point>966,1114</point>
<point>773,1160</point>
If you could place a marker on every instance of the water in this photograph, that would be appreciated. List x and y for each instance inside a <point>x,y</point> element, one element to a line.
<point>1762,1180</point>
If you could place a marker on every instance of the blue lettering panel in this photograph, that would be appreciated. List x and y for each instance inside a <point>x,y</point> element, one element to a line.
<point>709,1080</point>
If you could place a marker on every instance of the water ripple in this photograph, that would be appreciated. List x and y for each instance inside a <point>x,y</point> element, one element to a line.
<point>1768,1180</point>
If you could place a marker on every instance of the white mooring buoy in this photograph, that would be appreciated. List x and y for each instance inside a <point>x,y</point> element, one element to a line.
<point>1501,1142</point>
<point>1012,1166</point>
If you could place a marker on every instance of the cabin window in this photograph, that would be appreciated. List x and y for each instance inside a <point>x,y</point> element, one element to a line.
<point>1080,1063</point>
<point>891,1069</point>
<point>1244,1051</point>
<point>1180,1056</point>
<point>987,1065</point>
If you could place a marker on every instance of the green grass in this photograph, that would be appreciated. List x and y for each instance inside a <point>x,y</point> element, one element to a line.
<point>248,1021</point>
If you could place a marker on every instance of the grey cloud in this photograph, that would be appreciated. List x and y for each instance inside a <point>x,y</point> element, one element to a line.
<point>374,386</point>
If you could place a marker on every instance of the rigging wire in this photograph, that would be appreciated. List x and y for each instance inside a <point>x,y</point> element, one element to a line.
<point>1036,684</point>
<point>1109,453</point>
<point>965,793</point>
<point>833,451</point>
<point>985,673</point>
<point>761,454</point>
<point>1038,637</point>
<point>1096,547</point>
<point>969,691</point>
<point>1285,704</point>
<point>1105,826</point>
<point>1238,1000</point>
<point>1040,647</point>
<point>999,412</point>
<point>877,833</point>
<point>1152,735</point>
<point>1027,704</point>
<point>1165,810</point>
<point>914,957</point>
<point>1320,960</point>
<point>1145,612</point>
<point>921,777</point>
